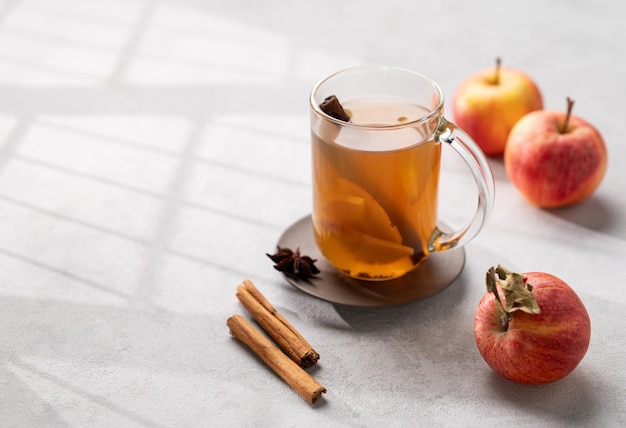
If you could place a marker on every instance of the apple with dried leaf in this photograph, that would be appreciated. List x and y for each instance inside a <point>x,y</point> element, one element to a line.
<point>531,328</point>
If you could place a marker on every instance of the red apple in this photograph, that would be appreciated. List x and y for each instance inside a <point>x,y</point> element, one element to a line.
<point>487,104</point>
<point>537,332</point>
<point>555,158</point>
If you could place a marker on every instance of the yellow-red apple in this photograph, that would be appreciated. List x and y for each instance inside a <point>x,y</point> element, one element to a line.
<point>537,331</point>
<point>487,104</point>
<point>555,158</point>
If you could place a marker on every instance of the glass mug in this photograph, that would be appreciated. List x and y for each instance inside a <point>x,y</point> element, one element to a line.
<point>375,177</point>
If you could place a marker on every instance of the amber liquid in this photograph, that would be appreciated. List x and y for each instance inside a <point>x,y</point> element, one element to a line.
<point>375,190</point>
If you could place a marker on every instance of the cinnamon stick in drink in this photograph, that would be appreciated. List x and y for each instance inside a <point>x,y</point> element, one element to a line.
<point>289,371</point>
<point>279,329</point>
<point>332,107</point>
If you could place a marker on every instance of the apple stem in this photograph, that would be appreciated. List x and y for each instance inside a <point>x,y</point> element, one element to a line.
<point>570,106</point>
<point>492,288</point>
<point>517,294</point>
<point>496,76</point>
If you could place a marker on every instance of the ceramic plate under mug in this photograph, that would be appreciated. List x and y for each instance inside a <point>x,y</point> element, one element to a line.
<point>434,274</point>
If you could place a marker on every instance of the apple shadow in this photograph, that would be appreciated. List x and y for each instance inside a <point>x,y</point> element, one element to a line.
<point>597,212</point>
<point>571,399</point>
<point>594,213</point>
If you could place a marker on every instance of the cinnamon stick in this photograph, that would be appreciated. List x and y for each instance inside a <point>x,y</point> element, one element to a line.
<point>279,329</point>
<point>250,287</point>
<point>332,107</point>
<point>289,371</point>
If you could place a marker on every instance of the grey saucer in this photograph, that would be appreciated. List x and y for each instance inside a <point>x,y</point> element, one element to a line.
<point>434,274</point>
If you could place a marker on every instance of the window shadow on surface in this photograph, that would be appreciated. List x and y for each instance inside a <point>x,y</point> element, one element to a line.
<point>80,338</point>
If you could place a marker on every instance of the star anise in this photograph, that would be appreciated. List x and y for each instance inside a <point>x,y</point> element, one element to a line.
<point>293,264</point>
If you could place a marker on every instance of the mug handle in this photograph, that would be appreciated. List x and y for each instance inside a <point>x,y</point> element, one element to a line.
<point>474,157</point>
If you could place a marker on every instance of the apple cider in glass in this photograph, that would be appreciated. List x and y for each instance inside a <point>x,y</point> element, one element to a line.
<point>375,192</point>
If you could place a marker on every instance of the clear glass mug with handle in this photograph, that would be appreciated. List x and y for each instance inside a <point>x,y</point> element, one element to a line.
<point>376,171</point>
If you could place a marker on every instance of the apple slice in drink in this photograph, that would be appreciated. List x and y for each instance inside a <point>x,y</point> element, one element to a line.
<point>374,250</point>
<point>361,226</point>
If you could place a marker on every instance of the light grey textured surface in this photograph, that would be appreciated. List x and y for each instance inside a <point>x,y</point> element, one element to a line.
<point>152,152</point>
